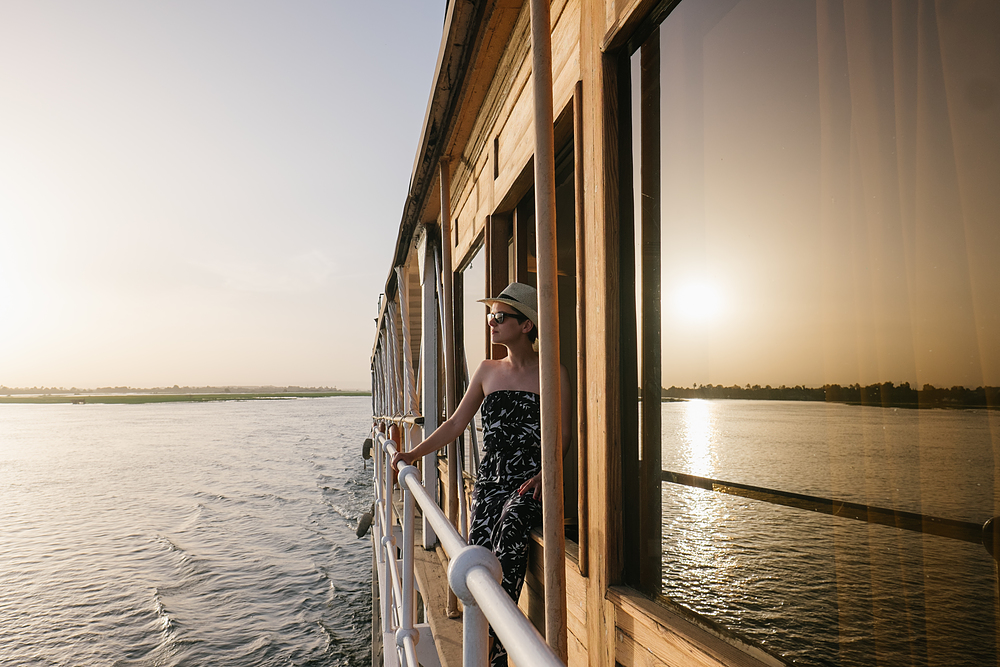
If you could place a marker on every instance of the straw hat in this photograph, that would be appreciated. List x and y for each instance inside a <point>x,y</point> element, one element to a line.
<point>521,297</point>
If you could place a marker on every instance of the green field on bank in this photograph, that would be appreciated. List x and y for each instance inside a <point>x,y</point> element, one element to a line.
<point>173,398</point>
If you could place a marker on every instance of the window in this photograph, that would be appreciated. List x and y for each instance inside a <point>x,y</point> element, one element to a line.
<point>815,240</point>
<point>473,349</point>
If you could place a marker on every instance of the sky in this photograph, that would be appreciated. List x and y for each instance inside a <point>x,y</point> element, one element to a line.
<point>203,192</point>
<point>208,193</point>
<point>830,210</point>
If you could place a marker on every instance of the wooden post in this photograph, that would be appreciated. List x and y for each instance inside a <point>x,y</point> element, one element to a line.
<point>581,327</point>
<point>651,485</point>
<point>627,371</point>
<point>548,326</point>
<point>449,353</point>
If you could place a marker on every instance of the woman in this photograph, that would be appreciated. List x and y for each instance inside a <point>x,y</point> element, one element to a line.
<point>506,502</point>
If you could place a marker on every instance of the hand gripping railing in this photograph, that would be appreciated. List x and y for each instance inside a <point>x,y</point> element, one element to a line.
<point>474,574</point>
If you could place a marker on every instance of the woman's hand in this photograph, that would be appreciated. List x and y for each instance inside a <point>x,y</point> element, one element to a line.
<point>532,486</point>
<point>406,458</point>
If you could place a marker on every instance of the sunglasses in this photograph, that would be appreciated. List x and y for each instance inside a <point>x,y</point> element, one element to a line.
<point>501,316</point>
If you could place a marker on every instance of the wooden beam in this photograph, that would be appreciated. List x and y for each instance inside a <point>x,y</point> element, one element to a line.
<point>650,486</point>
<point>628,337</point>
<point>580,215</point>
<point>602,388</point>
<point>548,326</point>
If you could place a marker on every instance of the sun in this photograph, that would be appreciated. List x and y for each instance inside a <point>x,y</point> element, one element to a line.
<point>697,303</point>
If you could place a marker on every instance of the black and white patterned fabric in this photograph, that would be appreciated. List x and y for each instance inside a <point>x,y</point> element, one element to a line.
<point>501,517</point>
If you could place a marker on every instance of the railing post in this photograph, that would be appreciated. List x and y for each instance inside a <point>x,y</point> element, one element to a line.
<point>388,540</point>
<point>475,636</point>
<point>475,628</point>
<point>408,601</point>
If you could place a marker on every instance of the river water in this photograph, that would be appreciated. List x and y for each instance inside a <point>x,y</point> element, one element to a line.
<point>820,590</point>
<point>224,533</point>
<point>185,534</point>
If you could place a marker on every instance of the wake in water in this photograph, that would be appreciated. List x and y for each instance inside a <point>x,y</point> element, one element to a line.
<point>184,534</point>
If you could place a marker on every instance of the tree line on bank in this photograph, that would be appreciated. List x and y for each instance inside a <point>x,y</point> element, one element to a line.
<point>229,389</point>
<point>886,394</point>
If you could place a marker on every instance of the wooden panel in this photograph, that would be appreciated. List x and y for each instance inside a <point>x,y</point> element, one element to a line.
<point>576,602</point>
<point>463,208</point>
<point>532,601</point>
<point>487,84</point>
<point>508,80</point>
<point>472,220</point>
<point>515,112</point>
<point>650,634</point>
<point>484,191</point>
<point>516,139</point>
<point>565,54</point>
<point>514,126</point>
<point>576,650</point>
<point>462,219</point>
<point>600,175</point>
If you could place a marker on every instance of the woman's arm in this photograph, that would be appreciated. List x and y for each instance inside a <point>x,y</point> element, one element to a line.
<point>452,427</point>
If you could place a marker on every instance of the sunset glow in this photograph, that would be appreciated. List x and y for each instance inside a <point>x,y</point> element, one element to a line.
<point>697,303</point>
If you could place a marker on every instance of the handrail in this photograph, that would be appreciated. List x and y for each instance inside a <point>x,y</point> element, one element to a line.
<point>474,574</point>
<point>965,531</point>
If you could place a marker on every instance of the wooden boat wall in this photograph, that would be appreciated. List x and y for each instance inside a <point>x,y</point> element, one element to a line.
<point>472,223</point>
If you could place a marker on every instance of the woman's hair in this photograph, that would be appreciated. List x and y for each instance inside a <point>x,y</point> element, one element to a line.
<point>533,334</point>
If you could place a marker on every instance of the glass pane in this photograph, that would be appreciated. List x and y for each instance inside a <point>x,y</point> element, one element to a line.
<point>830,234</point>
<point>475,327</point>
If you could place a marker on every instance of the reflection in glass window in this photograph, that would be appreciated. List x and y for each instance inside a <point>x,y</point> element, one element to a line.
<point>474,343</point>
<point>829,224</point>
<point>830,200</point>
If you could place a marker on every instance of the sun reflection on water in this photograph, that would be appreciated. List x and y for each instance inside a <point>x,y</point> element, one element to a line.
<point>695,521</point>
<point>699,436</point>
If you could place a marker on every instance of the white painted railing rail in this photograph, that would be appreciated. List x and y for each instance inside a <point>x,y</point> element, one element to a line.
<point>474,574</point>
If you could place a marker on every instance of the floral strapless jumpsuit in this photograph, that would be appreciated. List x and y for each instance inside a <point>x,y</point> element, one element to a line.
<point>501,517</point>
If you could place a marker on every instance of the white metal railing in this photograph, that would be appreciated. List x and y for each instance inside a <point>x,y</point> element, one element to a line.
<point>473,573</point>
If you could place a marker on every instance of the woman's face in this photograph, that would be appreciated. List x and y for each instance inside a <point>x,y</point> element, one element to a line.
<point>510,328</point>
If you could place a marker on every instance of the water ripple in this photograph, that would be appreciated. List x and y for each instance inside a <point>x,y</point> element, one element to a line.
<point>184,534</point>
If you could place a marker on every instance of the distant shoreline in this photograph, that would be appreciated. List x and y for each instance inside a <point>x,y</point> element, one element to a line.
<point>139,398</point>
<point>887,395</point>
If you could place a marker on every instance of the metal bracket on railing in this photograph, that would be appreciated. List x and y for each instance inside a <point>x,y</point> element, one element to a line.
<point>460,566</point>
<point>408,471</point>
<point>403,633</point>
